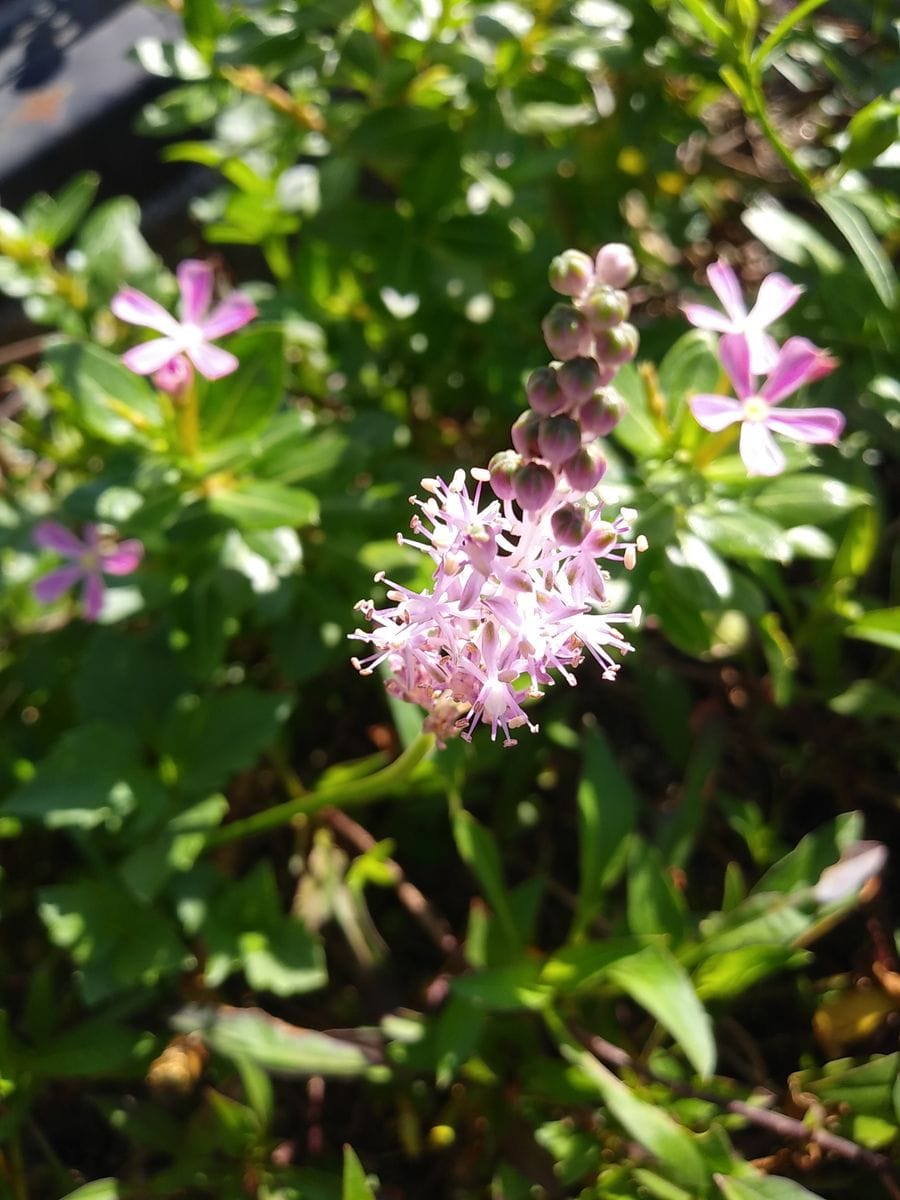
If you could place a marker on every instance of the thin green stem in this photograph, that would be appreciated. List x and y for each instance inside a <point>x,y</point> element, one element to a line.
<point>782,29</point>
<point>187,418</point>
<point>349,794</point>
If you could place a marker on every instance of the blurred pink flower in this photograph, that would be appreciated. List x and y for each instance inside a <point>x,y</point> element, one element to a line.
<point>188,341</point>
<point>798,362</point>
<point>89,560</point>
<point>776,295</point>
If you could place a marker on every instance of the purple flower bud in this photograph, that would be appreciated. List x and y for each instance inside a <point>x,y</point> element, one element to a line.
<point>503,467</point>
<point>571,272</point>
<point>533,485</point>
<point>602,413</point>
<point>569,526</point>
<point>566,331</point>
<point>605,306</point>
<point>616,265</point>
<point>617,346</point>
<point>559,438</point>
<point>579,378</point>
<point>544,394</point>
<point>525,434</point>
<point>585,469</point>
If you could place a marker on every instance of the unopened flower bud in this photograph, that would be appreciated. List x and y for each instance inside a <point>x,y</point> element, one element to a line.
<point>533,485</point>
<point>585,469</point>
<point>569,526</point>
<point>579,378</point>
<point>559,438</point>
<point>618,345</point>
<point>566,331</point>
<point>544,391</point>
<point>571,272</point>
<point>602,413</point>
<point>525,434</point>
<point>503,467</point>
<point>605,306</point>
<point>616,265</point>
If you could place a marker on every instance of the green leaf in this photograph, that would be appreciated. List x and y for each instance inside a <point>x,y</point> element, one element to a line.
<point>864,1088</point>
<point>790,237</point>
<point>650,1126</point>
<point>784,27</point>
<point>881,626</point>
<point>118,944</point>
<point>176,848</point>
<point>211,738</point>
<point>355,1184</point>
<point>654,905</point>
<point>853,224</point>
<point>275,1045</point>
<point>95,1048</point>
<point>658,982</point>
<point>766,1187</point>
<point>808,499</point>
<point>54,220</point>
<point>607,807</point>
<point>637,430</point>
<point>115,249</point>
<point>93,776</point>
<point>504,989</point>
<point>728,974</point>
<point>260,504</point>
<point>242,402</point>
<point>802,866</point>
<point>478,850</point>
<point>113,402</point>
<point>874,129</point>
<point>689,367</point>
<point>740,534</point>
<point>98,1189</point>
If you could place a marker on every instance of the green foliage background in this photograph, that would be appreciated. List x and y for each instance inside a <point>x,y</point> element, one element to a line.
<point>549,971</point>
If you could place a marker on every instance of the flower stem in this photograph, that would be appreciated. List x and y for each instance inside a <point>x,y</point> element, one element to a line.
<point>347,794</point>
<point>187,418</point>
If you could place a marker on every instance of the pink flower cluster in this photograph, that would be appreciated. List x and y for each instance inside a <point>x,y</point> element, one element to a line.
<point>748,352</point>
<point>520,578</point>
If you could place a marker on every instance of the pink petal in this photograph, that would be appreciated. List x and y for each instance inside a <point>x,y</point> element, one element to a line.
<point>50,535</point>
<point>92,596</point>
<point>776,295</point>
<point>763,351</point>
<point>715,412</point>
<point>798,362</point>
<point>137,309</point>
<point>233,313</point>
<point>726,285</point>
<point>124,559</point>
<point>734,351</point>
<point>758,450</point>
<point>704,317</point>
<point>150,356</point>
<point>174,375</point>
<point>50,587</point>
<point>817,426</point>
<point>195,280</point>
<point>211,362</point>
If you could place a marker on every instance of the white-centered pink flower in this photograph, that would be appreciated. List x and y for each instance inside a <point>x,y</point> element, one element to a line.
<point>90,558</point>
<point>757,406</point>
<point>775,296</point>
<point>187,341</point>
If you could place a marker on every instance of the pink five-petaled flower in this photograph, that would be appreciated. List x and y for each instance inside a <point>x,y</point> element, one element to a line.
<point>188,341</point>
<point>89,559</point>
<point>776,295</point>
<point>798,362</point>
